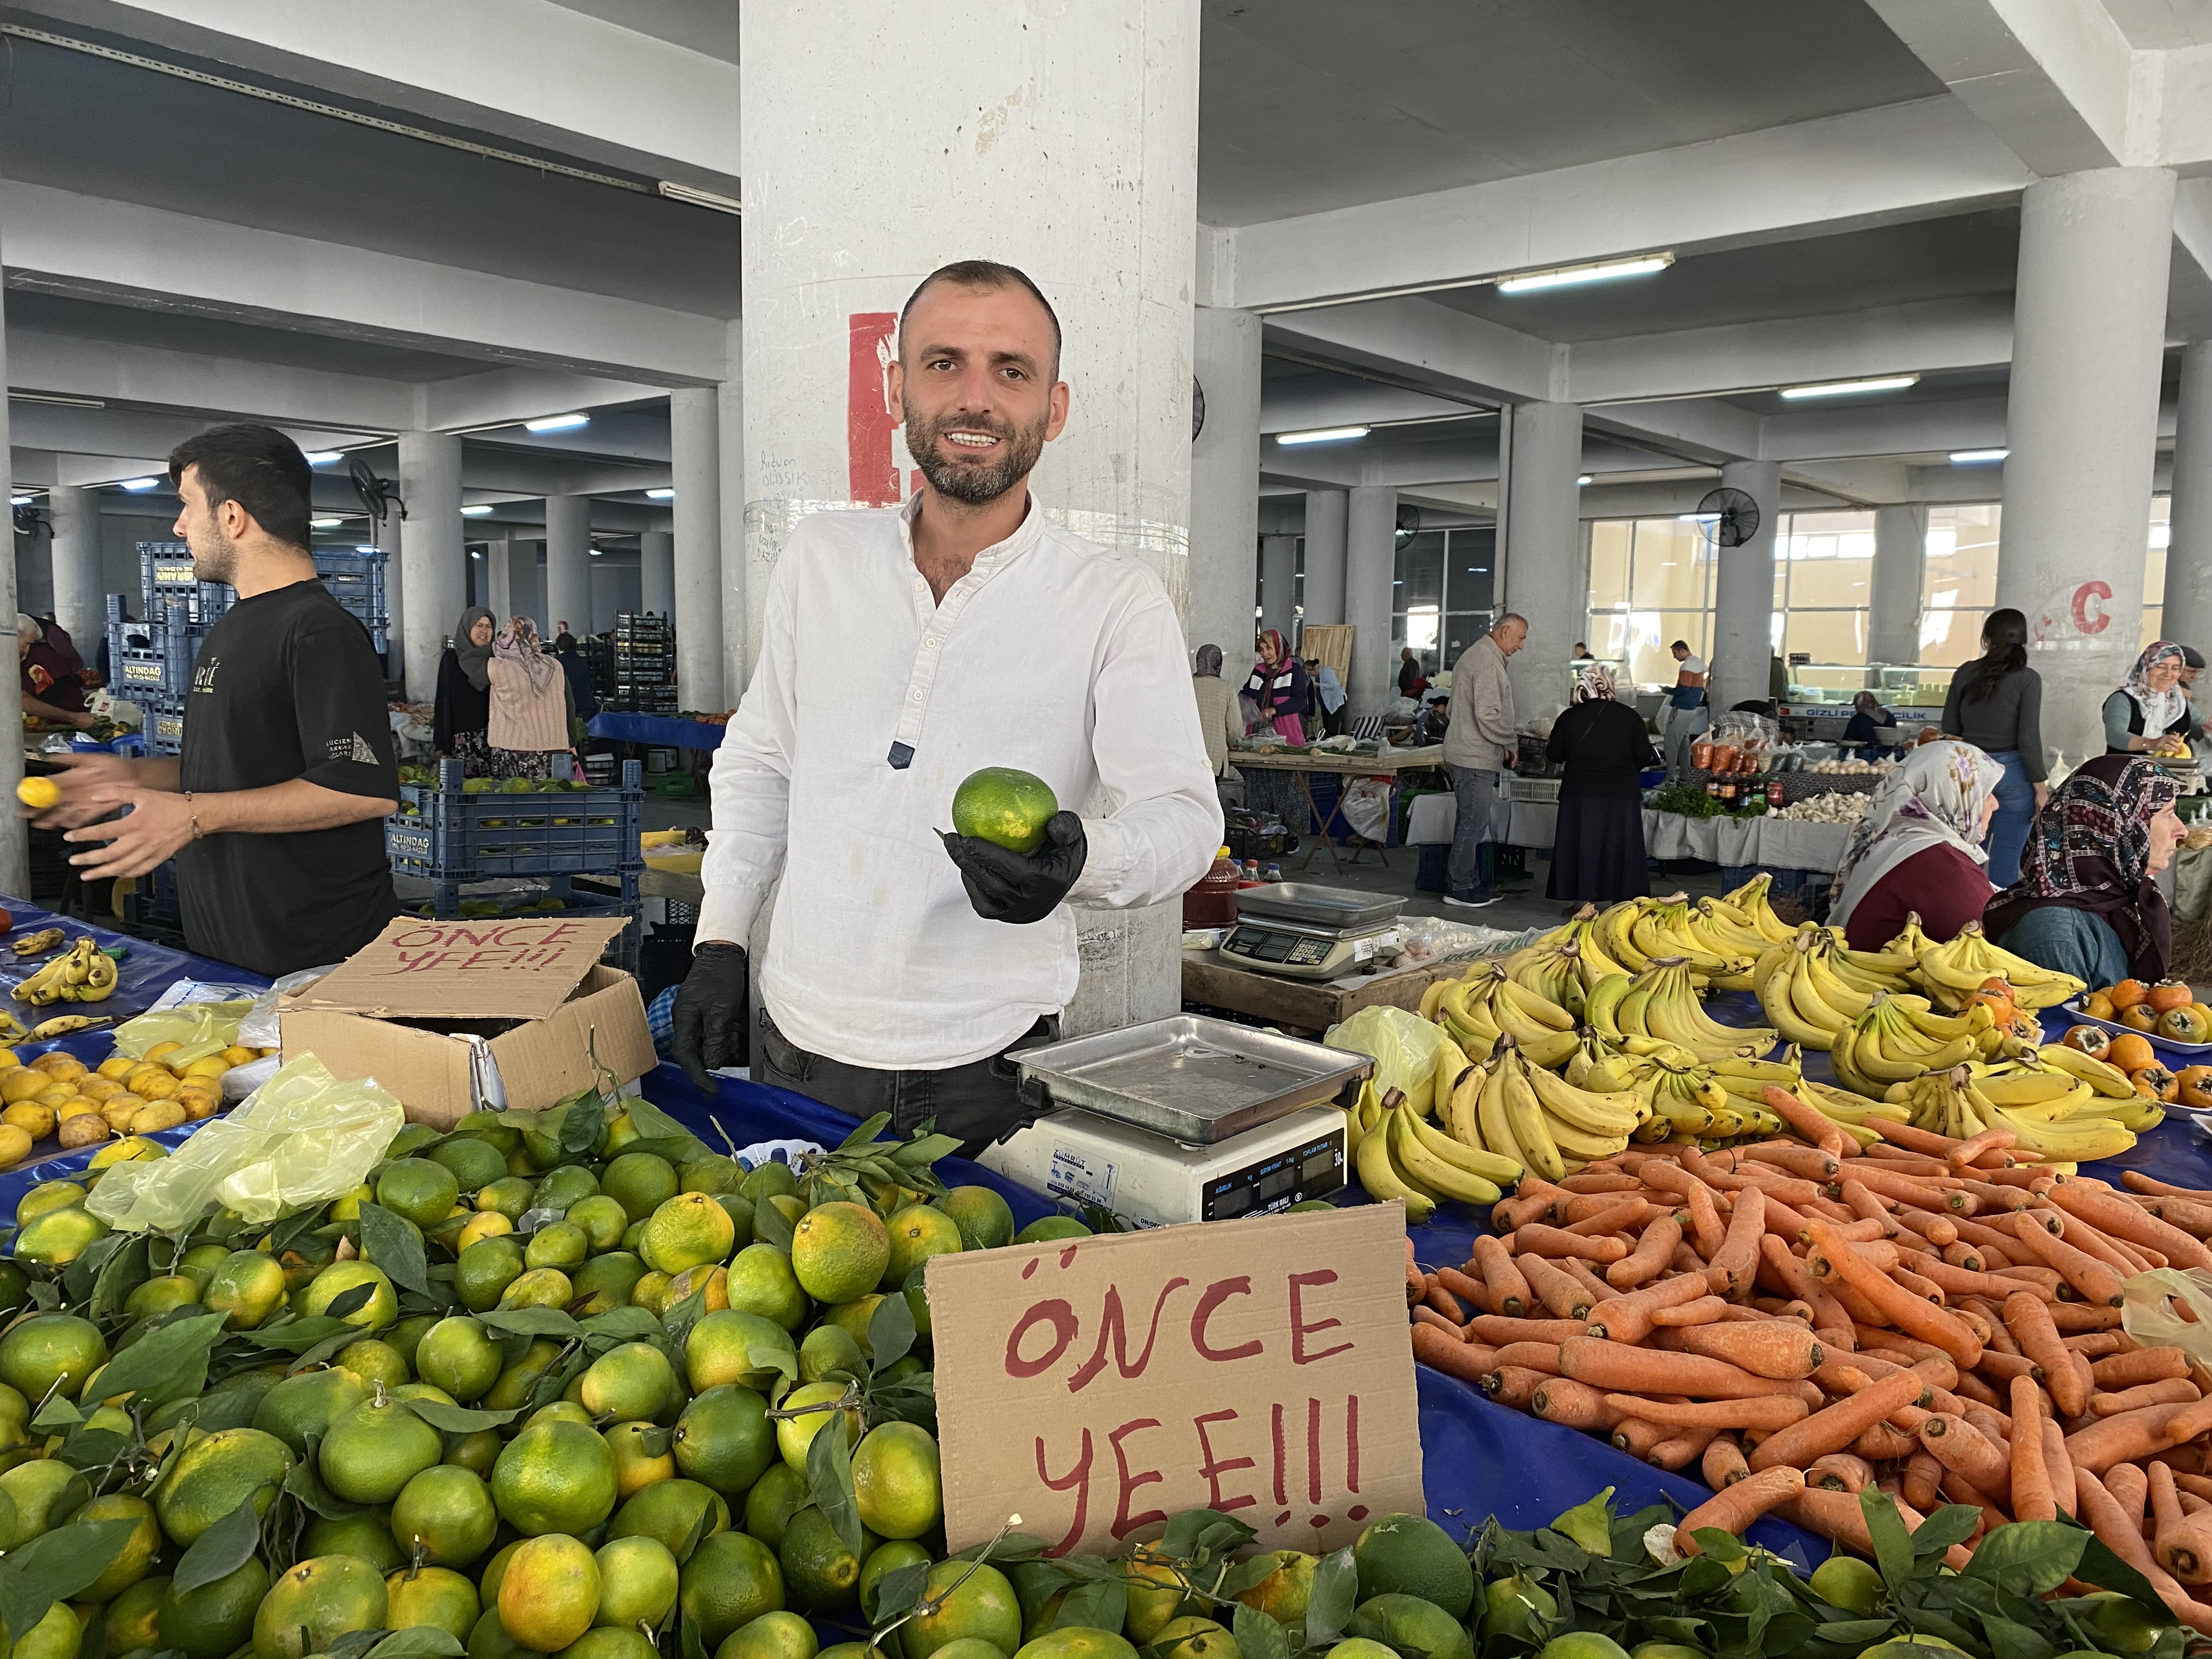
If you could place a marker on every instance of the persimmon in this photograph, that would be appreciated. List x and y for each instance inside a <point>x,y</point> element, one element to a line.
<point>1995,995</point>
<point>2185,1023</point>
<point>2091,1040</point>
<point>2154,1082</point>
<point>2193,1086</point>
<point>2132,1052</point>
<point>2170,993</point>
<point>2099,1006</point>
<point>2140,1017</point>
<point>2127,993</point>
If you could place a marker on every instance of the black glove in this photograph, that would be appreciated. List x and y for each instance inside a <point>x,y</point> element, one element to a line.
<point>1021,887</point>
<point>710,1013</point>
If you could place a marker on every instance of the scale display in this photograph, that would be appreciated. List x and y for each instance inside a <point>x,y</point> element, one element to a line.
<point>1291,950</point>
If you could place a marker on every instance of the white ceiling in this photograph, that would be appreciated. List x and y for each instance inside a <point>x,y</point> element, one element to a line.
<point>218,336</point>
<point>703,25</point>
<point>2152,25</point>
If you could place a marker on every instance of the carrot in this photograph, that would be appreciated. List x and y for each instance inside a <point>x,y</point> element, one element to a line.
<point>1768,1347</point>
<point>2028,1319</point>
<point>1884,1442</point>
<point>1532,1202</point>
<point>1840,1472</point>
<point>1425,1315</point>
<point>1579,1271</point>
<point>1989,1139</point>
<point>1564,1297</point>
<point>1937,1229</point>
<point>1900,1307</point>
<point>1894,1135</point>
<point>1655,1249</point>
<point>2123,1438</point>
<point>1496,1328</point>
<point>1839,1425</point>
<point>1972,1388</point>
<point>1734,1510</point>
<point>1577,1405</point>
<point>2138,1182</point>
<point>2125,1540</point>
<point>1583,1205</point>
<point>1968,1258</point>
<point>1680,1449</point>
<point>1959,1281</point>
<point>1806,1163</point>
<point>1768,1412</point>
<point>1736,1262</point>
<point>1614,1365</point>
<point>1532,1356</point>
<point>1636,1437</point>
<point>2077,1316</point>
<point>2168,1391</point>
<point>2195,1484</point>
<point>1467,1290</point>
<point>1959,1489</point>
<point>1440,1353</point>
<point>1628,1319</point>
<point>1925,1192</point>
<point>2032,1499</point>
<point>1697,1198</point>
<point>2125,1371</point>
<point>1514,1385</point>
<point>1599,1181</point>
<point>1704,1310</point>
<point>2182,1543</point>
<point>1618,1217</point>
<point>1723,1465</point>
<point>1923,1482</point>
<point>2093,1280</point>
<point>1837,1515</point>
<point>1959,1445</point>
<point>2059,1467</point>
<point>1493,1264</point>
<point>1417,1284</point>
<point>2117,1219</point>
<point>2188,1421</point>
<point>1440,1300</point>
<point>1535,1239</point>
<point>1809,1121</point>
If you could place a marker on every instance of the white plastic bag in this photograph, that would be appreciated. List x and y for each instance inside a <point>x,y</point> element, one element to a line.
<point>1365,804</point>
<point>2148,1315</point>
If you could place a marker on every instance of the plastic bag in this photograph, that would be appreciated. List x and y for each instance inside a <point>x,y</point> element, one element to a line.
<point>2148,1314</point>
<point>203,1029</point>
<point>1365,804</point>
<point>1404,1046</point>
<point>261,1028</point>
<point>304,1137</point>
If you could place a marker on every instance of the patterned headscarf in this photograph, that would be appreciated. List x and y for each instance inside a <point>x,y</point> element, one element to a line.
<point>517,643</point>
<point>1594,684</point>
<point>2090,850</point>
<point>2159,708</point>
<point>1934,799</point>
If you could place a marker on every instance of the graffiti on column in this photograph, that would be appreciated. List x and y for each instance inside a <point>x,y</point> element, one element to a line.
<point>2072,611</point>
<point>870,419</point>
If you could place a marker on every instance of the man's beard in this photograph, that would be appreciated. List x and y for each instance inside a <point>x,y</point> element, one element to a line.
<point>214,555</point>
<point>971,481</point>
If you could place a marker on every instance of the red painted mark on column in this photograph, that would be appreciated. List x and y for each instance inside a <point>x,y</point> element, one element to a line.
<point>2089,615</point>
<point>869,421</point>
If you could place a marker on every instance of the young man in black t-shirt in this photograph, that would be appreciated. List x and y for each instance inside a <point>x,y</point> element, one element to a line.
<point>274,810</point>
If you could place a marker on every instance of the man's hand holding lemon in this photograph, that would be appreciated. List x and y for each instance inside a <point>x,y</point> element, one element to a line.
<point>1018,853</point>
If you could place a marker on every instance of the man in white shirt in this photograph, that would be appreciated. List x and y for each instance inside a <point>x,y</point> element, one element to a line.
<point>1687,713</point>
<point>902,649</point>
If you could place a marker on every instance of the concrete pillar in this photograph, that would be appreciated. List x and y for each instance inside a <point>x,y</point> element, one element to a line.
<point>1278,588</point>
<point>614,590</point>
<point>1547,565</point>
<point>34,555</point>
<point>2081,422</point>
<point>737,543</point>
<point>432,551</point>
<point>1224,480</point>
<point>14,841</point>
<point>568,563</point>
<point>1744,594</point>
<point>685,571</point>
<point>1071,144</point>
<point>386,535</point>
<point>496,579</point>
<point>1900,561</point>
<point>1371,566</point>
<point>1327,519</point>
<point>79,602</point>
<point>656,566</point>
<point>2187,616</point>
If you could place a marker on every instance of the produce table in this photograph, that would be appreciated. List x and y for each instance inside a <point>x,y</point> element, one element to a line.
<point>143,975</point>
<point>1772,844</point>
<point>1305,762</point>
<point>1302,1006</point>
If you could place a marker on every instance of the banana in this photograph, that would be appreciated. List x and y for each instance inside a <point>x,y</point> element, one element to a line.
<point>1657,938</point>
<point>1601,1008</point>
<point>1812,1007</point>
<point>62,1025</point>
<point>1849,1108</point>
<point>1579,1147</point>
<point>1433,996</point>
<point>1611,928</point>
<point>1384,1182</point>
<point>1728,932</point>
<point>1494,1167</point>
<point>1846,1000</point>
<point>31,944</point>
<point>1451,1061</point>
<point>2141,1115</point>
<point>1784,1072</point>
<point>1530,1130</point>
<point>1412,1158</point>
<point>1456,1114</point>
<point>2080,1139</point>
<point>1752,899</point>
<point>1540,1043</point>
<point>1773,993</point>
<point>1490,1114</point>
<point>1595,1113</point>
<point>1976,1022</point>
<point>2105,1078</point>
<point>1843,1058</point>
<point>1593,962</point>
<point>1911,941</point>
<point>1533,1005</point>
<point>2042,1088</point>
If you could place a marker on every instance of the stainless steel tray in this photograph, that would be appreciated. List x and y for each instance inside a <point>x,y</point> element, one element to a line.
<point>1191,1078</point>
<point>1325,906</point>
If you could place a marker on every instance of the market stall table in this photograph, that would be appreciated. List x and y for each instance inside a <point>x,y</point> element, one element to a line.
<point>1305,762</point>
<point>658,731</point>
<point>1304,1007</point>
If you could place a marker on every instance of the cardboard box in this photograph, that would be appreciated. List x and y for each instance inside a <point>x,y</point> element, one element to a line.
<point>452,1016</point>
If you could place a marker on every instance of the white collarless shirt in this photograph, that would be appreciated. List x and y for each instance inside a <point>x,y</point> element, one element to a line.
<point>871,703</point>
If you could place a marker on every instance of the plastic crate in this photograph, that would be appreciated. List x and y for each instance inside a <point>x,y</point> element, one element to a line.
<point>1532,789</point>
<point>454,836</point>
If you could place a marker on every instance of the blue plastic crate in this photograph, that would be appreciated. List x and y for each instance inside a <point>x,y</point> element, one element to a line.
<point>451,834</point>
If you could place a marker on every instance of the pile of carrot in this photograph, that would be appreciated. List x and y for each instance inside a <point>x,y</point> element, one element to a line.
<point>1798,1323</point>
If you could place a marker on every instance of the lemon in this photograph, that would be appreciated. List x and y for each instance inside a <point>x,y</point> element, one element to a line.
<point>984,1608</point>
<point>550,1593</point>
<point>688,1230</point>
<point>636,1466</point>
<point>1006,805</point>
<point>725,1438</point>
<point>895,1481</point>
<point>447,1514</point>
<point>381,1309</point>
<point>778,1494</point>
<point>771,1636</point>
<point>39,794</point>
<point>373,1450</point>
<point>632,1382</point>
<point>314,1603</point>
<point>794,1435</point>
<point>50,1348</point>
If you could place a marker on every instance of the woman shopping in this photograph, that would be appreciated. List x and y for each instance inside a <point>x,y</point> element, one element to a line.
<point>1597,852</point>
<point>464,706</point>
<point>1995,703</point>
<point>2086,902</point>
<point>1918,850</point>
<point>530,707</point>
<point>1277,687</point>
<point>2150,713</point>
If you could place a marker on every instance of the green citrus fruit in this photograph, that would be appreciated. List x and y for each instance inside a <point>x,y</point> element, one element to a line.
<point>855,1317</point>
<point>373,1361</point>
<point>474,1163</point>
<point>761,1282</point>
<point>381,1309</point>
<point>637,1583</point>
<point>778,1494</point>
<point>56,1636</point>
<point>1412,1624</point>
<point>730,1581</point>
<point>984,1606</point>
<point>771,1636</point>
<point>367,1533</point>
<point>484,1270</point>
<point>831,1351</point>
<point>435,1596</point>
<point>138,1549</point>
<point>917,1233</point>
<point>540,1287</point>
<point>766,1181</point>
<point>550,1593</point>
<point>820,1574</point>
<point>568,1185</point>
<point>516,1381</point>
<point>248,1286</point>
<point>1051,1230</point>
<point>304,1407</point>
<point>47,1195</point>
<point>161,1296</point>
<point>636,1465</point>
<point>373,1450</point>
<point>211,1621</point>
<point>446,1513</point>
<point>1077,1642</point>
<point>727,1345</point>
<point>794,1435</point>
<point>1359,1648</point>
<point>314,1603</point>
<point>1846,1582</point>
<point>133,1620</point>
<point>212,1477</point>
<point>417,1189</point>
<point>60,1237</point>
<point>724,1439</point>
<point>688,1230</point>
<point>602,1219</point>
<point>670,1510</point>
<point>1004,804</point>
<point>640,1183</point>
<point>554,1477</point>
<point>839,1251</point>
<point>631,1383</point>
<point>983,1216</point>
<point>710,1172</point>
<point>50,1348</point>
<point>887,1557</point>
<point>508,1196</point>
<point>895,1481</point>
<point>558,1245</point>
<point>1195,1639</point>
<point>1411,1553</point>
<point>458,1355</point>
<point>607,1281</point>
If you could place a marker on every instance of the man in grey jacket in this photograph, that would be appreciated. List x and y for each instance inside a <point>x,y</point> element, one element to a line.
<point>1478,744</point>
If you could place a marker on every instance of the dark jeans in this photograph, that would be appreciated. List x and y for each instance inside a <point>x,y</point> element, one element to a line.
<point>978,1101</point>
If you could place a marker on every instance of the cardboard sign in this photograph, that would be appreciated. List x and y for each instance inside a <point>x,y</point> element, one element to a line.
<point>1262,1368</point>
<point>500,968</point>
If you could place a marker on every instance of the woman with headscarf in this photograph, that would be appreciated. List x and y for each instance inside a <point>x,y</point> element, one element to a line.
<point>1218,717</point>
<point>1919,849</point>
<point>2086,902</point>
<point>529,706</point>
<point>1278,686</point>
<point>2150,713</point>
<point>464,706</point>
<point>1869,719</point>
<point>1597,851</point>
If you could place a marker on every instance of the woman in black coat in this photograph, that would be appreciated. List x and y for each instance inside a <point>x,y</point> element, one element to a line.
<point>1597,852</point>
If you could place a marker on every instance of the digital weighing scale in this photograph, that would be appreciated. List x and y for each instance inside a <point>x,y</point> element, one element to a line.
<point>1183,1119</point>
<point>1302,931</point>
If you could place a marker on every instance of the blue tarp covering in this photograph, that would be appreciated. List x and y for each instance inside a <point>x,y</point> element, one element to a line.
<point>661,729</point>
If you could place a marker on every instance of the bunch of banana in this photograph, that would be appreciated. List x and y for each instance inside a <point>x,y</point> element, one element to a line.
<point>1591,964</point>
<point>1538,1120</point>
<point>1900,1038</point>
<point>2115,1096</point>
<point>1953,972</point>
<point>29,944</point>
<point>1486,1006</point>
<point>1687,1103</point>
<point>1726,931</point>
<point>1804,997</point>
<point>82,974</point>
<point>1554,972</point>
<point>1911,940</point>
<point>11,1028</point>
<point>1750,902</point>
<point>1947,1102</point>
<point>1864,971</point>
<point>63,1024</point>
<point>1856,1114</point>
<point>1603,1068</point>
<point>1400,1154</point>
<point>1636,932</point>
<point>1959,1104</point>
<point>1661,1003</point>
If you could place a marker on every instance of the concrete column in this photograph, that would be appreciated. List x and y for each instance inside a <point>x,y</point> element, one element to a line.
<point>34,557</point>
<point>1327,520</point>
<point>1370,566</point>
<point>1900,561</point>
<point>1547,566</point>
<point>568,563</point>
<point>1224,480</point>
<point>682,573</point>
<point>386,535</point>
<point>14,841</point>
<point>1070,145</point>
<point>1278,588</point>
<point>656,566</point>
<point>79,602</point>
<point>525,587</point>
<point>1744,594</point>
<point>2187,616</point>
<point>614,590</point>
<point>431,550</point>
<point>733,595</point>
<point>2081,422</point>
<point>496,580</point>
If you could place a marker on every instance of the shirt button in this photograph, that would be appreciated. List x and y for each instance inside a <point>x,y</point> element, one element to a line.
<point>929,641</point>
<point>917,693</point>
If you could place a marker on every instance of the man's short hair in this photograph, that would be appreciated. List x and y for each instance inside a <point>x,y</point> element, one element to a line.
<point>2191,657</point>
<point>1508,620</point>
<point>1679,645</point>
<point>985,274</point>
<point>258,467</point>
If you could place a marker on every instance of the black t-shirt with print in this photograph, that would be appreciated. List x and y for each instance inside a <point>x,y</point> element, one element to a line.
<point>287,685</point>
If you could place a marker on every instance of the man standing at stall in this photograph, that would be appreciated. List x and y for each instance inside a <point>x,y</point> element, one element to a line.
<point>273,812</point>
<point>1480,747</point>
<point>903,649</point>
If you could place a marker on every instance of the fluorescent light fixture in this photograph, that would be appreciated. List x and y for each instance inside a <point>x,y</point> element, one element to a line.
<point>1583,479</point>
<point>1697,517</point>
<point>21,500</point>
<point>1845,388</point>
<point>135,486</point>
<point>324,457</point>
<point>595,552</point>
<point>366,547</point>
<point>1603,270</point>
<point>697,197</point>
<point>60,398</point>
<point>556,423</point>
<point>660,494</point>
<point>324,523</point>
<point>1970,457</point>
<point>474,512</point>
<point>475,552</point>
<point>1322,435</point>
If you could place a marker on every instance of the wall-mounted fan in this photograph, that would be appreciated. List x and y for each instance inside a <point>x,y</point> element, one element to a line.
<point>1197,409</point>
<point>1409,526</point>
<point>1729,516</point>
<point>377,494</point>
<point>30,520</point>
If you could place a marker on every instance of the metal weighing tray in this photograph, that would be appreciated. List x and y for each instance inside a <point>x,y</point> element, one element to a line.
<point>1323,907</point>
<point>1193,1080</point>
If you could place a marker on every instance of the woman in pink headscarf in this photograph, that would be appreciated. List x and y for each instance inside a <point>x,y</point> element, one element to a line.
<point>1278,688</point>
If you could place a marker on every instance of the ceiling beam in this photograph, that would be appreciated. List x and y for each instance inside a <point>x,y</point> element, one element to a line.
<point>197,383</point>
<point>1847,172</point>
<point>120,252</point>
<point>1419,342</point>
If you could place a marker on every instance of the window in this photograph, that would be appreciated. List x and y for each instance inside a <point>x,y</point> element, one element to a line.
<point>1651,583</point>
<point>1960,583</point>
<point>1823,588</point>
<point>1442,600</point>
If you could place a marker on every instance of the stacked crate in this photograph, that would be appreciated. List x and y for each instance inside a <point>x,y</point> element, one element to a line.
<point>643,680</point>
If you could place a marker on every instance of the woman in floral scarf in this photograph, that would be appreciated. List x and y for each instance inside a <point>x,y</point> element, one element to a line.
<point>1919,849</point>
